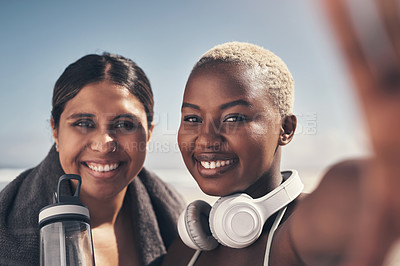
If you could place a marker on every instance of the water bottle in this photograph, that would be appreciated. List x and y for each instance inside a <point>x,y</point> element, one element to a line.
<point>65,235</point>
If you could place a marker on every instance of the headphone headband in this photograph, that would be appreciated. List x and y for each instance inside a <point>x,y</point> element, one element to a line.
<point>281,196</point>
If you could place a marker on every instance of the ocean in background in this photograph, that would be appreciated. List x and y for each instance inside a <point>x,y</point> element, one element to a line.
<point>7,175</point>
<point>178,178</point>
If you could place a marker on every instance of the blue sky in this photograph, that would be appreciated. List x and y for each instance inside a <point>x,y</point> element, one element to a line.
<point>40,38</point>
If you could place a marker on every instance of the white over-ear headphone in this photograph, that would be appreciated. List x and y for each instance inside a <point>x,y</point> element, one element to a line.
<point>237,220</point>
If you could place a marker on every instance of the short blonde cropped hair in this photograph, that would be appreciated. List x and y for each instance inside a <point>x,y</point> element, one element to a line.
<point>268,68</point>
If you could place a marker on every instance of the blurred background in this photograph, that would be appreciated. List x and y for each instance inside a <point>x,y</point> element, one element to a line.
<point>39,39</point>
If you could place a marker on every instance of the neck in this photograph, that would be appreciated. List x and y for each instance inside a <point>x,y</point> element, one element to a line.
<point>104,212</point>
<point>269,180</point>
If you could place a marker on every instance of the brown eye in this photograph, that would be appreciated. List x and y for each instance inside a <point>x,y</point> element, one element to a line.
<point>192,119</point>
<point>235,118</point>
<point>126,125</point>
<point>84,124</point>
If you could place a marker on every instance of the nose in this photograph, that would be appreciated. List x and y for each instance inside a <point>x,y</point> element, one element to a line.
<point>103,142</point>
<point>209,137</point>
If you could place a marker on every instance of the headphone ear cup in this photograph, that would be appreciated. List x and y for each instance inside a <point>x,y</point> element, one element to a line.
<point>193,226</point>
<point>235,221</point>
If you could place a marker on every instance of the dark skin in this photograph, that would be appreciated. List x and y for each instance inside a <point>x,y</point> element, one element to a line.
<point>228,119</point>
<point>320,230</point>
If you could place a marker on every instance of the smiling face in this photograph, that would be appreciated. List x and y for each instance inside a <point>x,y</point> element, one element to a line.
<point>230,132</point>
<point>102,136</point>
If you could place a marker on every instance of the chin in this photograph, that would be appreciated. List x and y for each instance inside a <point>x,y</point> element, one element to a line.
<point>215,190</point>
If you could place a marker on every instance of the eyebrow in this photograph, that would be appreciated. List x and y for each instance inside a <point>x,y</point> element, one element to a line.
<point>189,105</point>
<point>130,116</point>
<point>222,107</point>
<point>234,103</point>
<point>80,115</point>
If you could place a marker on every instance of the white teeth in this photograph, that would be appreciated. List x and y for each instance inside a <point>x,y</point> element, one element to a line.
<point>103,168</point>
<point>215,164</point>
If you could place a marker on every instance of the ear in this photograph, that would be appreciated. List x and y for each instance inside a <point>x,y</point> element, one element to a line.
<point>55,132</point>
<point>288,128</point>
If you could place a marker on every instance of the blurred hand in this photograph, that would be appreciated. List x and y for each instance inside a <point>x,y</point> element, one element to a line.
<point>368,33</point>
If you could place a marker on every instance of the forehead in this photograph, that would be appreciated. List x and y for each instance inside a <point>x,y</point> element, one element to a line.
<point>104,98</point>
<point>214,84</point>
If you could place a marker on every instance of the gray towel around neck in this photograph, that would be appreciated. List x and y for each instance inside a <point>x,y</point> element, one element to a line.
<point>155,210</point>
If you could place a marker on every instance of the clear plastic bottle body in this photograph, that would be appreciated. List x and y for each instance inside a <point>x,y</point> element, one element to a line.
<point>66,243</point>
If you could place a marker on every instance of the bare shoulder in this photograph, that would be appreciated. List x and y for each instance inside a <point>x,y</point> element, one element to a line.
<point>338,194</point>
<point>336,200</point>
<point>344,174</point>
<point>323,223</point>
<point>178,254</point>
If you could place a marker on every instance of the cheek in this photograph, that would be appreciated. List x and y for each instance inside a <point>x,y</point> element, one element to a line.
<point>256,146</point>
<point>266,125</point>
<point>185,141</point>
<point>70,146</point>
<point>134,144</point>
<point>68,159</point>
<point>180,137</point>
<point>68,137</point>
<point>249,138</point>
<point>266,133</point>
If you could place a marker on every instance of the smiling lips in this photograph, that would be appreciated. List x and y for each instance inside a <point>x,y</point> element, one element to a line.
<point>215,164</point>
<point>102,167</point>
